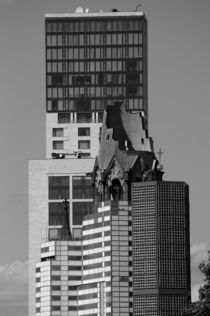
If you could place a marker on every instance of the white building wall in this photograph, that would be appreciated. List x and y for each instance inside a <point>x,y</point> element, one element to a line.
<point>38,206</point>
<point>57,278</point>
<point>70,135</point>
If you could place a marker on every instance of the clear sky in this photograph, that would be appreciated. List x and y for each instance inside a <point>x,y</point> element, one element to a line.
<point>179,115</point>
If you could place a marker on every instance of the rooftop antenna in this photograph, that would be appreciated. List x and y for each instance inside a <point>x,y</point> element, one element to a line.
<point>138,6</point>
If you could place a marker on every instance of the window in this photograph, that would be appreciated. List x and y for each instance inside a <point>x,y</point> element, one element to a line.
<point>63,117</point>
<point>84,144</point>
<point>84,117</point>
<point>57,132</point>
<point>81,80</point>
<point>44,249</point>
<point>100,117</point>
<point>55,288</point>
<point>80,209</point>
<point>58,144</point>
<point>85,155</point>
<point>55,268</point>
<point>56,308</point>
<point>54,105</point>
<point>84,131</point>
<point>56,213</point>
<point>58,188</point>
<point>57,80</point>
<point>82,188</point>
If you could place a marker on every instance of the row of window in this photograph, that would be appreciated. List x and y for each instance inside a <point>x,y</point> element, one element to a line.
<point>92,67</point>
<point>82,144</point>
<point>94,54</point>
<point>132,88</point>
<point>102,25</point>
<point>59,188</point>
<point>85,117</point>
<point>79,210</point>
<point>82,81</point>
<point>88,65</point>
<point>97,104</point>
<point>82,131</point>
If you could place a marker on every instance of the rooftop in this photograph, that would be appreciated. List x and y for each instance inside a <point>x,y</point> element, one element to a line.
<point>93,14</point>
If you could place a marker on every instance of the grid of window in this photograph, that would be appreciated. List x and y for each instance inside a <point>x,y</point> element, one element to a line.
<point>58,187</point>
<point>81,209</point>
<point>173,244</point>
<point>144,237</point>
<point>87,67</point>
<point>82,188</point>
<point>145,305</point>
<point>56,213</point>
<point>171,305</point>
<point>160,242</point>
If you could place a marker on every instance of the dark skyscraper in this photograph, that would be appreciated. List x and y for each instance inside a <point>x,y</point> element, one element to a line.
<point>119,244</point>
<point>95,59</point>
<point>161,248</point>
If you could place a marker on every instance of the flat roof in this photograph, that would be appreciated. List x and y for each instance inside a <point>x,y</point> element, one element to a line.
<point>94,14</point>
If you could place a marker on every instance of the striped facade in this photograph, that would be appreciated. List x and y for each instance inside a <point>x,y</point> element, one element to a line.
<point>107,262</point>
<point>57,277</point>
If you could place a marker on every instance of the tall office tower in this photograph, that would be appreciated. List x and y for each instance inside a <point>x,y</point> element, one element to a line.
<point>161,248</point>
<point>92,60</point>
<point>107,261</point>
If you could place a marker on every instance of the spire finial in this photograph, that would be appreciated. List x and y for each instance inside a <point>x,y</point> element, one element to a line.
<point>160,153</point>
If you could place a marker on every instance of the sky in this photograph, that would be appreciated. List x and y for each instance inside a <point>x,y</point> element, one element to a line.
<point>179,113</point>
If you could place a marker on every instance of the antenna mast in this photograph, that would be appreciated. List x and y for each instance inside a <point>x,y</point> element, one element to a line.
<point>138,6</point>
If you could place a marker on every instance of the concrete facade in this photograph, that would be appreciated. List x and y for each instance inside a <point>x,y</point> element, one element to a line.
<point>39,171</point>
<point>70,136</point>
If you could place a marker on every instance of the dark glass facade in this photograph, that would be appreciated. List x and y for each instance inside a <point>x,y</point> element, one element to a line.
<point>95,61</point>
<point>58,187</point>
<point>161,243</point>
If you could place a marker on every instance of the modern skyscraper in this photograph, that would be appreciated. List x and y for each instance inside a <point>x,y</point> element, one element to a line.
<point>107,235</point>
<point>92,60</point>
<point>161,248</point>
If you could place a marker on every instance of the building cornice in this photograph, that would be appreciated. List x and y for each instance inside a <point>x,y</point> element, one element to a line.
<point>94,14</point>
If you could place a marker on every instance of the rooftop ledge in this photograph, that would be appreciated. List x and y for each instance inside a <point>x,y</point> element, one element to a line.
<point>93,14</point>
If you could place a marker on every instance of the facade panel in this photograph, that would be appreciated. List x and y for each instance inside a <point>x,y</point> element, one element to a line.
<point>161,258</point>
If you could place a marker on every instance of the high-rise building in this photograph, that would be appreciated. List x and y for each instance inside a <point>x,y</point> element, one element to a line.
<point>161,248</point>
<point>92,60</point>
<point>107,235</point>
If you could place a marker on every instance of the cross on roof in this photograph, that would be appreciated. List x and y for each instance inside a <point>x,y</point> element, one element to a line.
<point>160,153</point>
